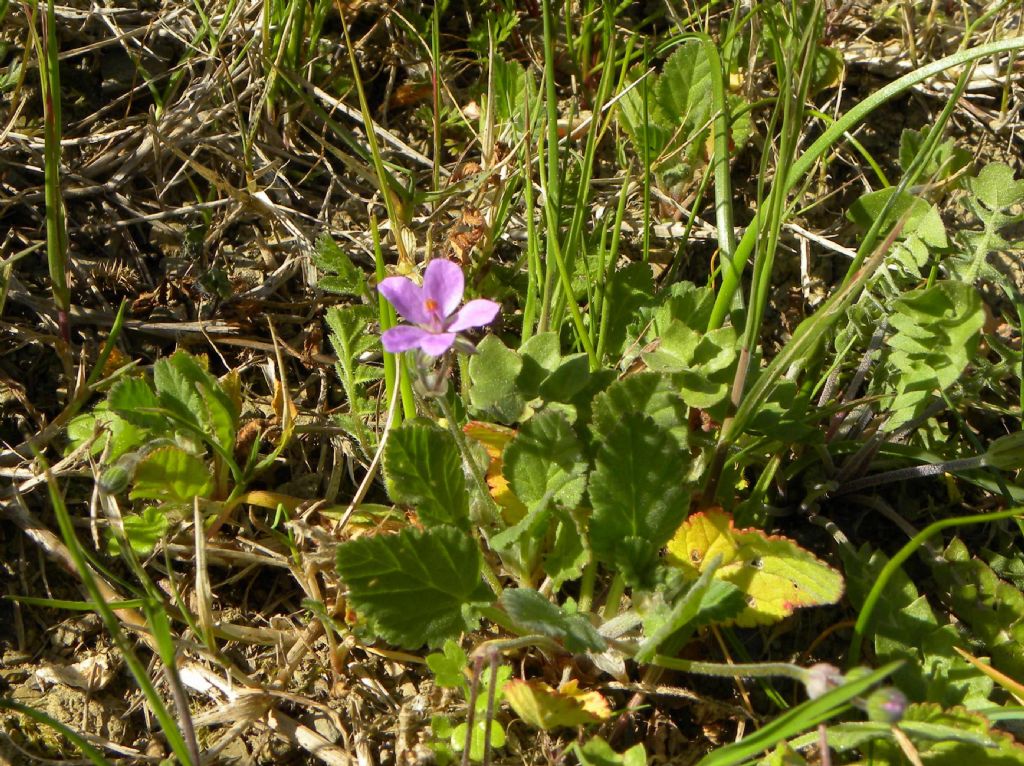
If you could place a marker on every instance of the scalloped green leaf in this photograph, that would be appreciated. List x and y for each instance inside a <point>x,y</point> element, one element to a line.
<point>417,587</point>
<point>544,463</point>
<point>172,474</point>
<point>775,574</point>
<point>423,469</point>
<point>637,495</point>
<point>134,400</point>
<point>650,393</point>
<point>493,372</point>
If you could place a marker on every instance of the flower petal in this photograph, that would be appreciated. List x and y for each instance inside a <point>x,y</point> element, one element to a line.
<point>406,297</point>
<point>403,338</point>
<point>443,283</point>
<point>475,314</point>
<point>436,344</point>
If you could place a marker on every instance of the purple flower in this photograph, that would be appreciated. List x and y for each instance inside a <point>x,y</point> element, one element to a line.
<point>430,309</point>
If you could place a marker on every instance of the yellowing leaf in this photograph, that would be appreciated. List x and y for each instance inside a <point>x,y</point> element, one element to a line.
<point>546,708</point>
<point>494,438</point>
<point>775,573</point>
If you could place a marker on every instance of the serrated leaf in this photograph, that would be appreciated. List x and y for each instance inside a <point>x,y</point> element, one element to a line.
<point>492,374</point>
<point>416,587</point>
<point>134,400</point>
<point>649,393</point>
<point>170,473</point>
<point>950,738</point>
<point>175,383</point>
<point>776,575</point>
<point>996,187</point>
<point>535,614</point>
<point>351,339</point>
<point>516,94</point>
<point>545,463</point>
<point>341,275</point>
<point>700,362</point>
<point>936,333</point>
<point>1007,452</point>
<point>991,607</point>
<point>121,435</point>
<point>186,388</point>
<point>637,494</point>
<point>905,627</point>
<point>945,161</point>
<point>684,88</point>
<point>629,289</point>
<point>545,708</point>
<point>423,469</point>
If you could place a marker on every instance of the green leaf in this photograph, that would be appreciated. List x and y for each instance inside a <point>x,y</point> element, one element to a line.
<point>570,377</point>
<point>597,752</point>
<point>476,745</point>
<point>568,556</point>
<point>171,474</point>
<point>351,338</point>
<point>544,463</point>
<point>684,88</point>
<point>945,161</point>
<point>949,738</point>
<point>176,388</point>
<point>937,332</point>
<point>774,573</point>
<point>134,400</point>
<point>994,201</point>
<point>796,720</point>
<point>996,187</point>
<point>515,94</point>
<point>535,614</point>
<point>541,356</point>
<point>649,393</point>
<point>637,494</point>
<point>187,389</point>
<point>423,469</point>
<point>701,362</point>
<point>493,371</point>
<point>144,530</point>
<point>340,274</point>
<point>449,667</point>
<point>706,594</point>
<point>992,608</point>
<point>121,435</point>
<point>905,627</point>
<point>417,587</point>
<point>869,207</point>
<point>629,289</point>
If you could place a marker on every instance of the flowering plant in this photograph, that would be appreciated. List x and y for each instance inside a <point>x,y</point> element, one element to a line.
<point>431,310</point>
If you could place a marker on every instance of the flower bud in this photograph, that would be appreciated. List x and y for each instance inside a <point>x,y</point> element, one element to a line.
<point>822,678</point>
<point>886,705</point>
